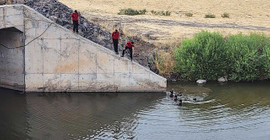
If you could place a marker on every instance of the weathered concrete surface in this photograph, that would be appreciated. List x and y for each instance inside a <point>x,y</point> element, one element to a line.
<point>56,60</point>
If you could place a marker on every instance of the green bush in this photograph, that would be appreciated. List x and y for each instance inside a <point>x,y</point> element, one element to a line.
<point>161,13</point>
<point>209,16</point>
<point>210,56</point>
<point>225,15</point>
<point>132,12</point>
<point>189,14</point>
<point>248,56</point>
<point>201,57</point>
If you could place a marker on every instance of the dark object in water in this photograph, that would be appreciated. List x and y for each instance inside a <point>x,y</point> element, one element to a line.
<point>171,93</point>
<point>194,99</point>
<point>180,103</point>
<point>175,97</point>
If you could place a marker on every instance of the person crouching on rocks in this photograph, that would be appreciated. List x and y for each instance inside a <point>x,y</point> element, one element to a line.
<point>75,19</point>
<point>129,46</point>
<point>115,38</point>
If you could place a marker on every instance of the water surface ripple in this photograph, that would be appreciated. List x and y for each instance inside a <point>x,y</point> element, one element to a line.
<point>231,111</point>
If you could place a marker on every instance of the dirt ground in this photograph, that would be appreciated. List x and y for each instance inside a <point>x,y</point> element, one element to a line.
<point>245,16</point>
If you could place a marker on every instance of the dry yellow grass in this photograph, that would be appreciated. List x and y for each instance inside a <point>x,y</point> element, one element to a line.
<point>243,13</point>
<point>255,8</point>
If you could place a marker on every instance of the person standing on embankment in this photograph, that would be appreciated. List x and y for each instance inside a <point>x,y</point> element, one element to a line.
<point>75,19</point>
<point>129,46</point>
<point>115,38</point>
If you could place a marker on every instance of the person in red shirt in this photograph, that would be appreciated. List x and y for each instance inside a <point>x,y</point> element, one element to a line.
<point>115,38</point>
<point>75,19</point>
<point>129,46</point>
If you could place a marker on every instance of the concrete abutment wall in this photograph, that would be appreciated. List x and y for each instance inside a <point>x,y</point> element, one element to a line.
<point>56,60</point>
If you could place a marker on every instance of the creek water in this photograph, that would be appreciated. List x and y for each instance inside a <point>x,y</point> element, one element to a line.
<point>232,111</point>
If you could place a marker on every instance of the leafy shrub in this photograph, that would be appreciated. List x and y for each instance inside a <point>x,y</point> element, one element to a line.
<point>161,13</point>
<point>209,16</point>
<point>210,56</point>
<point>189,14</point>
<point>201,57</point>
<point>248,56</point>
<point>225,15</point>
<point>132,12</point>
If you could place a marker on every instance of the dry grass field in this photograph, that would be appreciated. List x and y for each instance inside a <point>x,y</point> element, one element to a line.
<point>245,16</point>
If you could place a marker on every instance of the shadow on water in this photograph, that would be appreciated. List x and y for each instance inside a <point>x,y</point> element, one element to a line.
<point>13,115</point>
<point>72,116</point>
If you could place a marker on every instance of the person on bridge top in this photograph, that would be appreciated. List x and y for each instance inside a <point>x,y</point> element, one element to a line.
<point>129,46</point>
<point>115,38</point>
<point>75,19</point>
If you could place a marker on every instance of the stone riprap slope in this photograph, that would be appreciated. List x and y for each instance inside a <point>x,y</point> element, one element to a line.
<point>60,14</point>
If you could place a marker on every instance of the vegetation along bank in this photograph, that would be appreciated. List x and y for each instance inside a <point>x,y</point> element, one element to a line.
<point>211,56</point>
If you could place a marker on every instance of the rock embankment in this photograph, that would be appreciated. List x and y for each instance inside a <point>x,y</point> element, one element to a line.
<point>11,1</point>
<point>60,14</point>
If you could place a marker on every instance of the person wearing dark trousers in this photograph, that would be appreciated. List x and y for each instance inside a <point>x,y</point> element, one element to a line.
<point>115,38</point>
<point>130,47</point>
<point>75,19</point>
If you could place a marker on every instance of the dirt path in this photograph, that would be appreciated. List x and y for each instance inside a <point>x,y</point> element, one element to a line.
<point>204,25</point>
<point>166,22</point>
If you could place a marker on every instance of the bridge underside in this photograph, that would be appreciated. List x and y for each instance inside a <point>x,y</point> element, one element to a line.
<point>11,59</point>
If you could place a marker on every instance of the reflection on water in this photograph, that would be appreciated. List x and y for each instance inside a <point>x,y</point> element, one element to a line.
<point>232,111</point>
<point>86,115</point>
<point>13,115</point>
